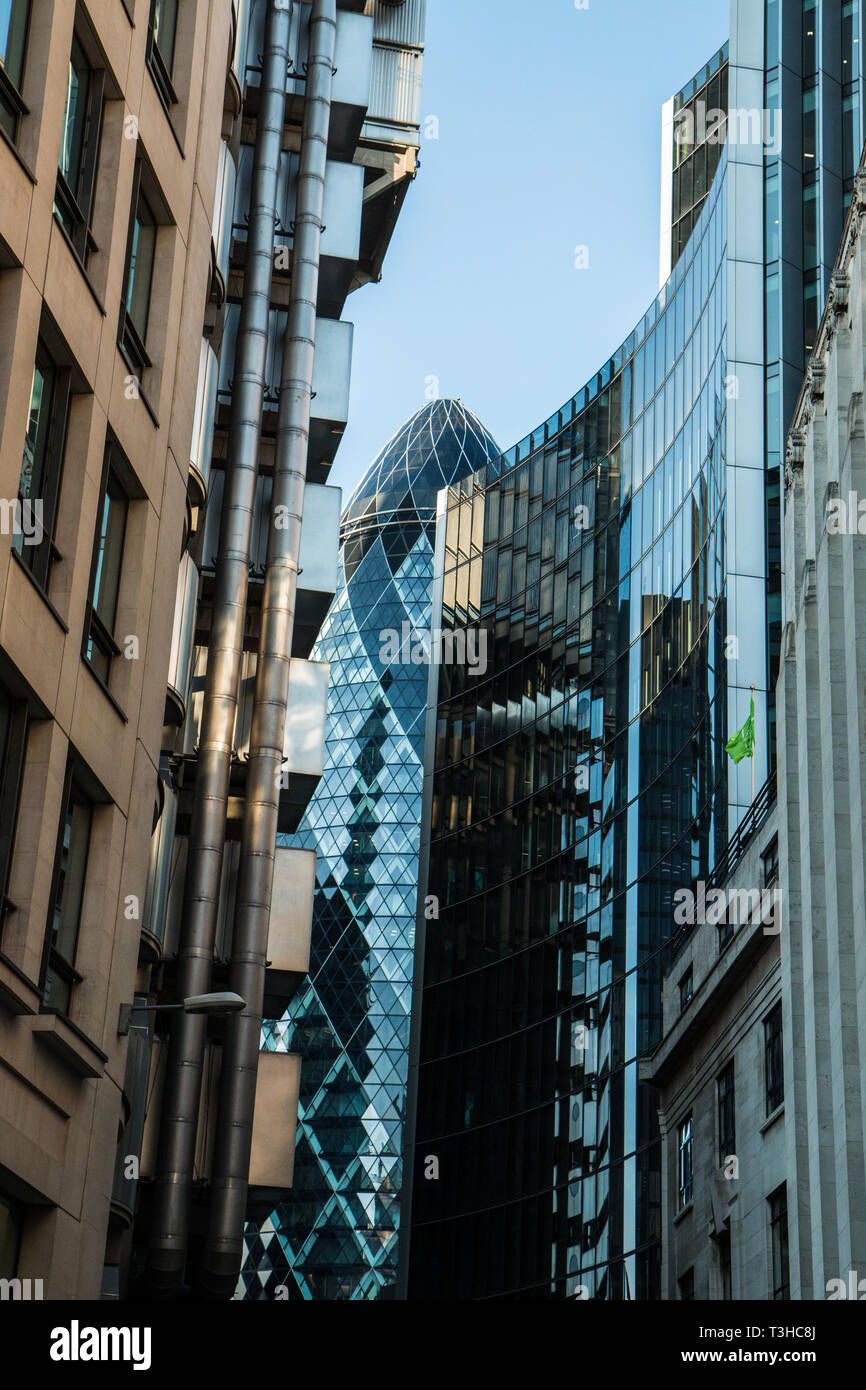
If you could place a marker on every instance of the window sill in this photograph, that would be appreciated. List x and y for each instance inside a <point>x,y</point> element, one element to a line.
<point>136,373</point>
<point>70,1044</point>
<point>684,1212</point>
<point>166,93</point>
<point>771,1119</point>
<point>81,266</point>
<point>118,708</point>
<point>10,144</point>
<point>18,993</point>
<point>39,589</point>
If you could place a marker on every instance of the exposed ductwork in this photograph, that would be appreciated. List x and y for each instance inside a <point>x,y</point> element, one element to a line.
<point>169,1231</point>
<point>224,1241</point>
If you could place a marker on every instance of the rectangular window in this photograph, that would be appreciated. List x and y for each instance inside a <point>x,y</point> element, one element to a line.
<point>810,226</point>
<point>79,149</point>
<point>772,316</point>
<point>772,34</point>
<point>687,1286</point>
<point>160,47</point>
<point>14,19</point>
<point>770,861</point>
<point>810,129</point>
<point>67,895</point>
<point>727,1127</point>
<point>810,38</point>
<point>685,1165</point>
<point>139,279</point>
<point>726,932</point>
<point>42,466</point>
<point>850,39</point>
<point>99,643</point>
<point>779,1242</point>
<point>773,1066</point>
<point>771,215</point>
<point>687,989</point>
<point>725,1269</point>
<point>13,740</point>
<point>811,311</point>
<point>11,1221</point>
<point>851,146</point>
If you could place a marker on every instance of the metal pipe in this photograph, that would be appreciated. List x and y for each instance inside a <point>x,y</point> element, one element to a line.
<point>233,1140</point>
<point>169,1232</point>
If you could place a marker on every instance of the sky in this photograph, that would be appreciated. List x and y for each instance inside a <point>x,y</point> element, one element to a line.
<point>549,139</point>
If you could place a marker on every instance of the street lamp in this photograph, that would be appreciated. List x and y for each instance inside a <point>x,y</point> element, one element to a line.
<point>225,1003</point>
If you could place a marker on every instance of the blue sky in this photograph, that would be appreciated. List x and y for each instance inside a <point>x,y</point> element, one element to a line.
<point>549,138</point>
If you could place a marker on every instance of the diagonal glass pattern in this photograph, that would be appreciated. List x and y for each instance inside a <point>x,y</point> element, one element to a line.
<point>336,1236</point>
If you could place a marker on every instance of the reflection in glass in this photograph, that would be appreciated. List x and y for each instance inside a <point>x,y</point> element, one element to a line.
<point>141,267</point>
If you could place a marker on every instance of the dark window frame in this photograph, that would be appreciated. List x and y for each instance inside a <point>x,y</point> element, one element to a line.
<point>726,1266</point>
<point>96,629</point>
<point>685,1162</point>
<point>38,559</point>
<point>16,1214</point>
<point>129,338</point>
<point>770,862</point>
<point>12,104</point>
<point>54,964</point>
<point>12,757</point>
<point>687,989</point>
<point>160,66</point>
<point>774,1062</point>
<point>727,1111</point>
<point>780,1265</point>
<point>74,206</point>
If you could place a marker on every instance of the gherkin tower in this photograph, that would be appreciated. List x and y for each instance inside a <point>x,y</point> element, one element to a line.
<point>336,1236</point>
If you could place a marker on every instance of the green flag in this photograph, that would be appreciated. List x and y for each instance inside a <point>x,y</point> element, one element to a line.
<point>742,745</point>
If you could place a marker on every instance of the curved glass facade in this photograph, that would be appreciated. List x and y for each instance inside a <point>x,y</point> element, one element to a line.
<point>336,1237</point>
<point>577,786</point>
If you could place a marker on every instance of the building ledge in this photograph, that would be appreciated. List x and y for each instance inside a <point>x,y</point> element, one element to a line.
<point>18,993</point>
<point>748,943</point>
<point>68,1043</point>
<point>772,1119</point>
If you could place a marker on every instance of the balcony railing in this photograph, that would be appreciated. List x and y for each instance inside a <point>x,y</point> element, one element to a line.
<point>748,826</point>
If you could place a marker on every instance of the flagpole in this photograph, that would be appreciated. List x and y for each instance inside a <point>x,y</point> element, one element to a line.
<point>754,741</point>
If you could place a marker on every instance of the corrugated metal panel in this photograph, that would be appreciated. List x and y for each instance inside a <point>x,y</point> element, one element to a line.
<point>396,86</point>
<point>400,23</point>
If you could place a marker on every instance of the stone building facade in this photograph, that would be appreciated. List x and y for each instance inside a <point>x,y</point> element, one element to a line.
<point>110,115</point>
<point>790,1009</point>
<point>721,1087</point>
<point>822,790</point>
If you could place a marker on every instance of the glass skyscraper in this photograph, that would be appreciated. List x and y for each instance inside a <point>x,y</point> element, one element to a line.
<point>625,563</point>
<point>336,1237</point>
<point>577,786</point>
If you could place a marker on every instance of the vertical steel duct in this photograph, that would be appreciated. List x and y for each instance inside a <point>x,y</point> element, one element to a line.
<point>169,1229</point>
<point>224,1242</point>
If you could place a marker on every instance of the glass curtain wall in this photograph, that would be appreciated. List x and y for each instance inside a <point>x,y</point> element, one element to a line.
<point>576,787</point>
